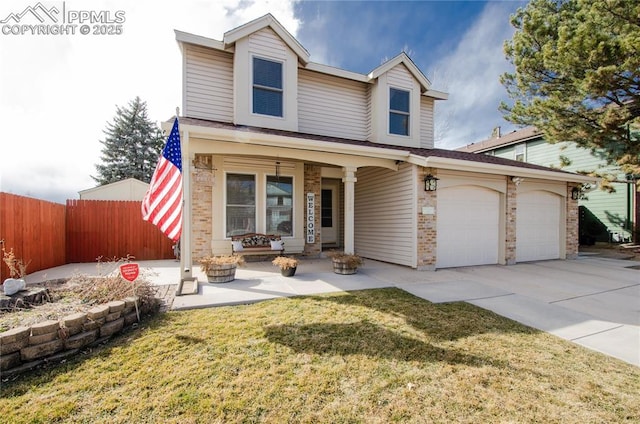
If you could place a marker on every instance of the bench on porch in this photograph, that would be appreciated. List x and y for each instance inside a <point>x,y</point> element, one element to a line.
<point>254,244</point>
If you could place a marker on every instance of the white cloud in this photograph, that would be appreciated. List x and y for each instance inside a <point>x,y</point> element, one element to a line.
<point>57,92</point>
<point>470,74</point>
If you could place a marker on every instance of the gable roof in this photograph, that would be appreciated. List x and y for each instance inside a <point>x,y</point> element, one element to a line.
<point>267,21</point>
<point>515,137</point>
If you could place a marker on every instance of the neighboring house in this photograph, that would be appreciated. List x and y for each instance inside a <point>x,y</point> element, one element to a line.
<point>327,158</point>
<point>128,189</point>
<point>604,216</point>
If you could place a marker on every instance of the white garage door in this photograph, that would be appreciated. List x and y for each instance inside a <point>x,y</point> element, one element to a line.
<point>468,226</point>
<point>538,226</point>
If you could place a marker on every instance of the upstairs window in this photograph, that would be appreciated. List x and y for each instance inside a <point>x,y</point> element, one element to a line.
<point>267,87</point>
<point>519,152</point>
<point>399,112</point>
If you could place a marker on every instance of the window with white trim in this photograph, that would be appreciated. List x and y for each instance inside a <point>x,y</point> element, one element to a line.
<point>519,152</point>
<point>399,111</point>
<point>280,205</point>
<point>267,87</point>
<point>241,204</point>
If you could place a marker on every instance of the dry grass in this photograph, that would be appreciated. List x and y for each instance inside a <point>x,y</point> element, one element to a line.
<point>79,294</point>
<point>374,356</point>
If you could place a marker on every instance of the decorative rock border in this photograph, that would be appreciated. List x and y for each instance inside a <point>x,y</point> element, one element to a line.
<point>24,348</point>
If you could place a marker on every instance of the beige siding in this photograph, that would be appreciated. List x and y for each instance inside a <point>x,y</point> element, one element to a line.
<point>332,106</point>
<point>208,84</point>
<point>266,42</point>
<point>400,77</point>
<point>385,217</point>
<point>426,123</point>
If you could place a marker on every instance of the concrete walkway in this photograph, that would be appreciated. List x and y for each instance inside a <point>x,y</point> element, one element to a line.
<point>592,301</point>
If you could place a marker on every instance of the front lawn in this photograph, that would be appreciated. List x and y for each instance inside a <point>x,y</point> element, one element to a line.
<point>373,356</point>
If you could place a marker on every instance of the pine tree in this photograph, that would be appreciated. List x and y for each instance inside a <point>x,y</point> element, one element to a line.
<point>132,145</point>
<point>577,75</point>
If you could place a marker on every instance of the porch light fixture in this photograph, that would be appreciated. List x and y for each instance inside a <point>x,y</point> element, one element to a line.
<point>575,193</point>
<point>430,183</point>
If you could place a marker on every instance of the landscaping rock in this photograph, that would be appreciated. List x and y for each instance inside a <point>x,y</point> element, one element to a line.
<point>75,320</point>
<point>98,312</point>
<point>34,352</point>
<point>9,361</point>
<point>116,306</point>
<point>130,318</point>
<point>114,316</point>
<point>7,348</point>
<point>112,327</point>
<point>80,340</point>
<point>12,286</point>
<point>15,334</point>
<point>45,327</point>
<point>43,338</point>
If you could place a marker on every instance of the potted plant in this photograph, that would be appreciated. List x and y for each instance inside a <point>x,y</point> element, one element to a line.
<point>17,272</point>
<point>287,265</point>
<point>221,269</point>
<point>345,263</point>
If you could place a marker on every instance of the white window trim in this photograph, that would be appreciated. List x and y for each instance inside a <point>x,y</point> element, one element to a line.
<point>523,153</point>
<point>282,91</point>
<point>400,112</point>
<point>226,199</point>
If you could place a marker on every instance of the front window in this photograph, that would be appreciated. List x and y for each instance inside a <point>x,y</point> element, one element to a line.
<point>280,205</point>
<point>267,87</point>
<point>398,112</point>
<point>241,204</point>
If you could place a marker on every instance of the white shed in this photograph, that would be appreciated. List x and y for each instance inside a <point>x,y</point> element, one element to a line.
<point>129,189</point>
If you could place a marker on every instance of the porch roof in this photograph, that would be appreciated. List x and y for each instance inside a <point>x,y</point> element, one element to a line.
<point>434,158</point>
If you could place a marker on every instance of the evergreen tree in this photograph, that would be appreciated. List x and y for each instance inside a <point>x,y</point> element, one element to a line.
<point>577,75</point>
<point>132,145</point>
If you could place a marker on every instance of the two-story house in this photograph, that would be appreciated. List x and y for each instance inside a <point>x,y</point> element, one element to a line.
<point>274,143</point>
<point>605,215</point>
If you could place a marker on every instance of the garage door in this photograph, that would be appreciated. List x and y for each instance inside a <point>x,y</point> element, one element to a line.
<point>538,226</point>
<point>468,226</point>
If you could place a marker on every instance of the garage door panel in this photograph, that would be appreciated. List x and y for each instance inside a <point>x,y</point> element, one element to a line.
<point>468,226</point>
<point>538,222</point>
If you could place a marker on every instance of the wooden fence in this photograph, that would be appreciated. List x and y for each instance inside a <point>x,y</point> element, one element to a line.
<point>108,229</point>
<point>51,234</point>
<point>35,229</point>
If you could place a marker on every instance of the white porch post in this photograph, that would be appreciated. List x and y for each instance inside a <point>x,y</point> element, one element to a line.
<point>185,239</point>
<point>349,179</point>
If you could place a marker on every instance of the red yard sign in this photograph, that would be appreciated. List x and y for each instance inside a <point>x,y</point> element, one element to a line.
<point>129,271</point>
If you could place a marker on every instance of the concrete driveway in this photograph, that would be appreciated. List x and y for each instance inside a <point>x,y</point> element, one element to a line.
<point>592,301</point>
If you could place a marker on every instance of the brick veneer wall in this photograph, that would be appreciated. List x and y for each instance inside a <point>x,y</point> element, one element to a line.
<point>24,348</point>
<point>201,218</point>
<point>427,231</point>
<point>572,241</point>
<point>313,184</point>
<point>511,213</point>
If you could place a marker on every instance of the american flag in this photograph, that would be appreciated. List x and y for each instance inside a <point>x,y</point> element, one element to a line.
<point>162,205</point>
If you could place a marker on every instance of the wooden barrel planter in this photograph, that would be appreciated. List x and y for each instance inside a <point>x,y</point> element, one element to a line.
<point>223,273</point>
<point>344,268</point>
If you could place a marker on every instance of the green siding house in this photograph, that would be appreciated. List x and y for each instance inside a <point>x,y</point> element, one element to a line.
<point>604,216</point>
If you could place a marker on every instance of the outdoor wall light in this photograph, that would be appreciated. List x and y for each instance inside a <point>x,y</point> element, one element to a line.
<point>575,193</point>
<point>430,183</point>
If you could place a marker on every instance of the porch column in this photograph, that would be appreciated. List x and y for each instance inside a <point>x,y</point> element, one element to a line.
<point>349,179</point>
<point>185,239</point>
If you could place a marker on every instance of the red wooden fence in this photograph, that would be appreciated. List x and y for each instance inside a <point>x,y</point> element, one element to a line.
<point>35,229</point>
<point>51,234</point>
<point>112,229</point>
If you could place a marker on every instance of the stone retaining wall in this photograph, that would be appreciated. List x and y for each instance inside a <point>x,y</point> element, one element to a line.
<point>24,348</point>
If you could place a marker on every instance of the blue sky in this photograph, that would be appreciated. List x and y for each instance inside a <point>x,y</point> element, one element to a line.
<point>58,92</point>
